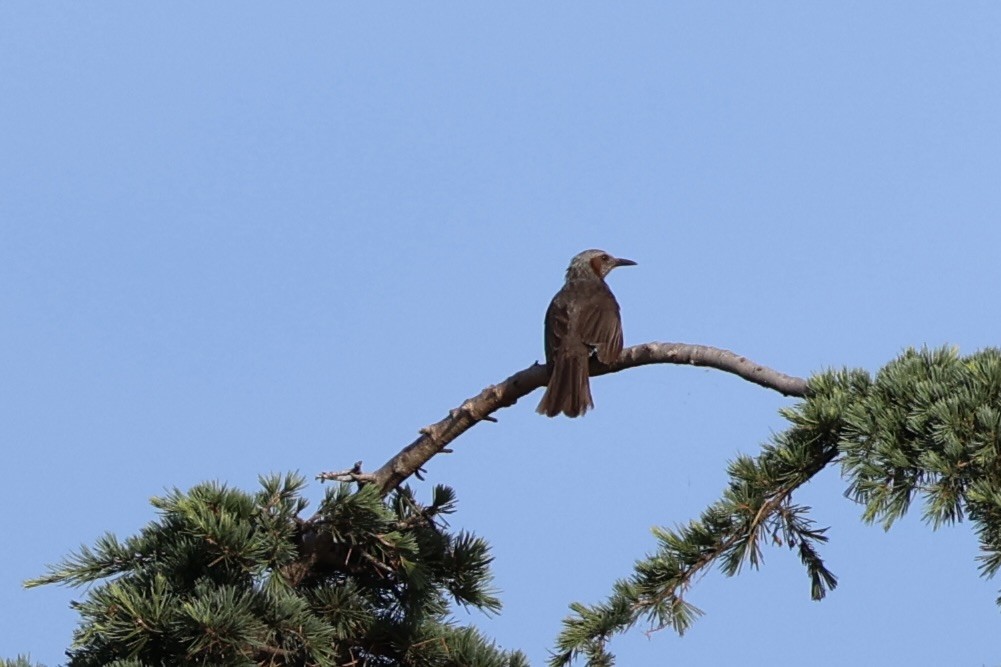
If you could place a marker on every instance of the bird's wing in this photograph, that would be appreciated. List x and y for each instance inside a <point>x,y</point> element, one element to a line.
<point>557,327</point>
<point>601,327</point>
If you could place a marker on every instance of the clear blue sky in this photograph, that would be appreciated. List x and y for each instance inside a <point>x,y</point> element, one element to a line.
<point>247,237</point>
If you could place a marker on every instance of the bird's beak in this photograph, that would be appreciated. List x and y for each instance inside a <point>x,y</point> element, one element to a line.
<point>624,262</point>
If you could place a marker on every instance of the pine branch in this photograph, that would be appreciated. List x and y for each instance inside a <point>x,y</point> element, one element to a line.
<point>435,438</point>
<point>108,558</point>
<point>928,425</point>
<point>756,504</point>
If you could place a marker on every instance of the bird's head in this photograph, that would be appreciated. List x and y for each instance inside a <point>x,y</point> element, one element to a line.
<point>592,263</point>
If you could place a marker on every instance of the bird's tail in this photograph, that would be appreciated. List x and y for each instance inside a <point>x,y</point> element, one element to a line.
<point>569,390</point>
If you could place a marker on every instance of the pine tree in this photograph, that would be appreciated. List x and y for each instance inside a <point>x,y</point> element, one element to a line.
<point>229,578</point>
<point>224,577</point>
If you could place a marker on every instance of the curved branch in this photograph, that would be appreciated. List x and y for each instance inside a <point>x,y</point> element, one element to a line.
<point>436,437</point>
<point>712,357</point>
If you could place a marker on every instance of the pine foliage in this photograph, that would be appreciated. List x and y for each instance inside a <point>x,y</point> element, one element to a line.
<point>19,661</point>
<point>927,425</point>
<point>225,577</point>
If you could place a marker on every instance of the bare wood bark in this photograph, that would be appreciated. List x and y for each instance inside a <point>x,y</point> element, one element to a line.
<point>435,438</point>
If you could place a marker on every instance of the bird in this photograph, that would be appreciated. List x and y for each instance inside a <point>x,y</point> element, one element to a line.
<point>582,321</point>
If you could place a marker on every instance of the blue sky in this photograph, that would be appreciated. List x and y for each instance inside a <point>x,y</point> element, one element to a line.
<point>244,237</point>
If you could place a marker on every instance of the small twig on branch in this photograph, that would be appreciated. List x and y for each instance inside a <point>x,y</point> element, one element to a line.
<point>352,474</point>
<point>435,438</point>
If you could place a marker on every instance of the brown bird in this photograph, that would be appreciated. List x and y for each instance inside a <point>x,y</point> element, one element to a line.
<point>582,320</point>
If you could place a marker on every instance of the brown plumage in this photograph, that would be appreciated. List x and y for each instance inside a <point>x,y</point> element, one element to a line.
<point>582,319</point>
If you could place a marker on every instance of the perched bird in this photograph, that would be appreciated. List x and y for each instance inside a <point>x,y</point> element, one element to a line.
<point>582,319</point>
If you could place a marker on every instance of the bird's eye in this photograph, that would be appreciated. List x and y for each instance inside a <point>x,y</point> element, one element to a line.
<point>605,258</point>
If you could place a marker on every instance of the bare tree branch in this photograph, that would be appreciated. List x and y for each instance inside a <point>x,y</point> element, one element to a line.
<point>352,474</point>
<point>436,437</point>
